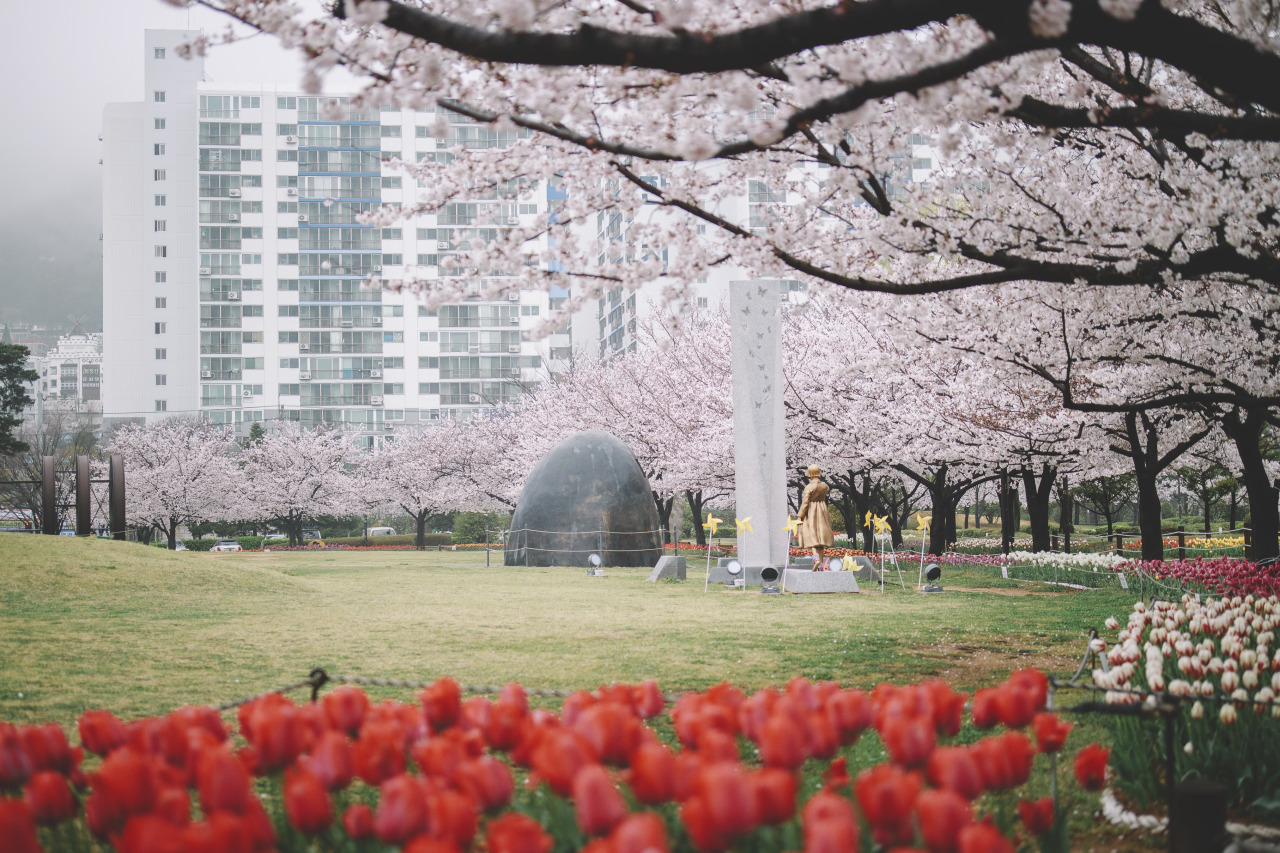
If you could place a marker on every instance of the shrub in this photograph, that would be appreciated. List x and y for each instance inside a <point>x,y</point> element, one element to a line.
<point>431,540</point>
<point>199,544</point>
<point>250,543</point>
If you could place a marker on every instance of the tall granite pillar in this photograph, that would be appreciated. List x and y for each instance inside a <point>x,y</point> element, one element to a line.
<point>759,444</point>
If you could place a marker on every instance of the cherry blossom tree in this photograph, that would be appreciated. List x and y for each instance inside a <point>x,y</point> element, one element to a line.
<point>293,473</point>
<point>179,472</point>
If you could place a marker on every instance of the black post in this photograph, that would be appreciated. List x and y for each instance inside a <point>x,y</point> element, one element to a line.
<point>486,547</point>
<point>115,490</point>
<point>48,497</point>
<point>84,511</point>
<point>1182,545</point>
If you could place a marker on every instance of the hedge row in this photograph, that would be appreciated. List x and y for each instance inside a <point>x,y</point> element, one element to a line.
<point>432,540</point>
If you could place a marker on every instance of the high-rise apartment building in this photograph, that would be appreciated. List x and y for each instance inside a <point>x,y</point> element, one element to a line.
<point>234,262</point>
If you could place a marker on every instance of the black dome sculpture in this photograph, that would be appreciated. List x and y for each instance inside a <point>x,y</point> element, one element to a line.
<point>587,496</point>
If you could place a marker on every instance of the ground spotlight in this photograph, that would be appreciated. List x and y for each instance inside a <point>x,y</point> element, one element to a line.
<point>769,581</point>
<point>734,568</point>
<point>835,564</point>
<point>932,574</point>
<point>595,562</point>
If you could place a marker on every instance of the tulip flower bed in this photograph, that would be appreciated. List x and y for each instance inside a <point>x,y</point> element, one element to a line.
<point>1220,657</point>
<point>762,772</point>
<point>829,552</point>
<point>1220,575</point>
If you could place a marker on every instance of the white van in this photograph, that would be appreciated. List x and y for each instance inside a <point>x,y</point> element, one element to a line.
<point>380,531</point>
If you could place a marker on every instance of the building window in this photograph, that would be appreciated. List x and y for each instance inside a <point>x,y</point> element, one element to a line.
<point>286,155</point>
<point>162,251</point>
<point>286,103</point>
<point>159,124</point>
<point>160,328</point>
<point>161,201</point>
<point>287,233</point>
<point>159,225</point>
<point>159,53</point>
<point>162,379</point>
<point>159,174</point>
<point>158,96</point>
<point>251,259</point>
<point>162,302</point>
<point>702,302</point>
<point>161,354</point>
<point>159,148</point>
<point>162,406</point>
<point>161,277</point>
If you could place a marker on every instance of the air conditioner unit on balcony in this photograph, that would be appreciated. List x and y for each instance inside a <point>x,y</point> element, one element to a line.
<point>304,375</point>
<point>515,321</point>
<point>233,217</point>
<point>302,217</point>
<point>513,348</point>
<point>206,374</point>
<point>375,374</point>
<point>246,392</point>
<point>375,400</point>
<point>443,244</point>
<point>291,191</point>
<point>440,143</point>
<point>304,347</point>
<point>513,220</point>
<point>515,371</point>
<point>290,140</point>
<point>205,270</point>
<point>388,427</point>
<point>233,193</point>
<point>514,296</point>
<point>233,296</point>
<point>376,268</point>
<point>346,324</point>
<point>473,349</point>
<point>474,398</point>
<point>377,321</point>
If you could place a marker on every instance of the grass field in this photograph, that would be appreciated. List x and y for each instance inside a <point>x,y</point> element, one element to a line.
<point>90,623</point>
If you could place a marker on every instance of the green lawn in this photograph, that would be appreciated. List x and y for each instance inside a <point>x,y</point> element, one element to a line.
<point>89,623</point>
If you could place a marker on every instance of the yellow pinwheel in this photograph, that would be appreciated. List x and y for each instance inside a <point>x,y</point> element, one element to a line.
<point>922,521</point>
<point>849,564</point>
<point>882,524</point>
<point>793,525</point>
<point>870,516</point>
<point>713,524</point>
<point>744,525</point>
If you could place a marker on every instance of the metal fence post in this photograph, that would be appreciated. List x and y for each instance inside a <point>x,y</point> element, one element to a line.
<point>84,512</point>
<point>48,497</point>
<point>1182,545</point>
<point>115,490</point>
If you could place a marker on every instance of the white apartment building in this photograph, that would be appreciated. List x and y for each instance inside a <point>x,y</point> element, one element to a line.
<point>234,264</point>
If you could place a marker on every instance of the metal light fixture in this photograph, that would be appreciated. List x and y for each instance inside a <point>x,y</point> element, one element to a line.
<point>835,564</point>
<point>769,581</point>
<point>932,574</point>
<point>595,561</point>
<point>734,568</point>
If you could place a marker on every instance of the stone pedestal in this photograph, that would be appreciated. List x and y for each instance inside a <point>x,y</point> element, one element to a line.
<point>798,580</point>
<point>669,567</point>
<point>759,446</point>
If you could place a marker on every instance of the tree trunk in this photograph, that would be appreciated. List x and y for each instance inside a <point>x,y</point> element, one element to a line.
<point>868,543</point>
<point>966,516</point>
<point>943,509</point>
<point>695,509</point>
<point>172,533</point>
<point>1010,512</point>
<point>664,513</point>
<point>1065,506</point>
<point>1038,496</point>
<point>1234,505</point>
<point>1245,430</point>
<point>420,524</point>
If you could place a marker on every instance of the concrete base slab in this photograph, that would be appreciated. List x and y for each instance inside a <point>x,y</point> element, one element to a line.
<point>719,574</point>
<point>801,581</point>
<point>669,567</point>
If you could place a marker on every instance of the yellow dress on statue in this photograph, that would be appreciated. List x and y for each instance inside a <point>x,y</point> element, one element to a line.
<point>815,520</point>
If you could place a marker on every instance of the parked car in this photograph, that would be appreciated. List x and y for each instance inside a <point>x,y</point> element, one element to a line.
<point>380,531</point>
<point>276,537</point>
<point>179,546</point>
<point>226,545</point>
<point>311,533</point>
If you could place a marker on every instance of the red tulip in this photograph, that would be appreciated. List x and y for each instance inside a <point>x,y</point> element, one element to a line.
<point>717,745</point>
<point>1034,682</point>
<point>47,748</point>
<point>830,825</point>
<point>1091,767</point>
<point>174,805</point>
<point>517,833</point>
<point>983,838</point>
<point>775,795</point>
<point>358,821</point>
<point>439,757</point>
<point>948,707</point>
<point>823,740</point>
<point>1005,760</point>
<point>506,726</point>
<point>1051,732</point>
<point>652,774</point>
<point>697,822</point>
<point>647,699</point>
<point>402,810</point>
<point>331,761</point>
<point>441,703</point>
<point>850,712</point>
<point>15,763</point>
<point>942,815</point>
<point>558,758</point>
<point>909,740</point>
<point>640,833</point>
<point>610,729</point>
<point>452,817</point>
<point>487,780</point>
<point>1015,706</point>
<point>345,708</point>
<point>727,802</point>
<point>276,735</point>
<point>782,743</point>
<point>150,834</point>
<point>378,754</point>
<point>50,799</point>
<point>753,712</point>
<point>223,783</point>
<point>984,708</point>
<point>597,803</point>
<point>430,844</point>
<point>955,769</point>
<point>124,785</point>
<point>306,802</point>
<point>101,732</point>
<point>475,713</point>
<point>221,832</point>
<point>1037,816</point>
<point>886,794</point>
<point>574,704</point>
<point>837,774</point>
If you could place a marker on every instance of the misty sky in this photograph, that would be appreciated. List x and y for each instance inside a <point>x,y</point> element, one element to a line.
<point>64,61</point>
